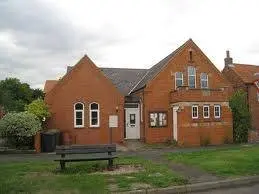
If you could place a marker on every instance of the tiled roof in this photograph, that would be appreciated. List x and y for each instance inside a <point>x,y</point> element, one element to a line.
<point>156,69</point>
<point>248,73</point>
<point>49,84</point>
<point>124,79</point>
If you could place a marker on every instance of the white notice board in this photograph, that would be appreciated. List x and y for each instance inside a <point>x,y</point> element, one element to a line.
<point>113,121</point>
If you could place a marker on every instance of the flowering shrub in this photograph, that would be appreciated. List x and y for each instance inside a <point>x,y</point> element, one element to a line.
<point>19,128</point>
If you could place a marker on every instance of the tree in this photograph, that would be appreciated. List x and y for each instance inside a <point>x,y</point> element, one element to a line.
<point>39,108</point>
<point>14,95</point>
<point>241,116</point>
<point>19,128</point>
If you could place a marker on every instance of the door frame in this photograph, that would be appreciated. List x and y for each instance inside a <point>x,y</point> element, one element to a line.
<point>135,106</point>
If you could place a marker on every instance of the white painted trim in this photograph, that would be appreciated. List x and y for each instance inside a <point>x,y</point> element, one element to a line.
<point>192,75</point>
<point>90,115</point>
<point>175,123</point>
<point>175,79</point>
<point>217,117</point>
<point>83,115</point>
<point>206,117</point>
<point>195,106</point>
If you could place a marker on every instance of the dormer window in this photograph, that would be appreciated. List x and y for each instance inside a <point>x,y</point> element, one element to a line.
<point>204,80</point>
<point>191,77</point>
<point>178,79</point>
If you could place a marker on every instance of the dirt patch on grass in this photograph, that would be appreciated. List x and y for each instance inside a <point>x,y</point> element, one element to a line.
<point>136,186</point>
<point>122,169</point>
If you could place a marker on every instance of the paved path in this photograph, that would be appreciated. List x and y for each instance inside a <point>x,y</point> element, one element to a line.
<point>251,189</point>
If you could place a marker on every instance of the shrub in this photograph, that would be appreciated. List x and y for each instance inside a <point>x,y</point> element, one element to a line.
<point>204,141</point>
<point>39,108</point>
<point>241,116</point>
<point>19,128</point>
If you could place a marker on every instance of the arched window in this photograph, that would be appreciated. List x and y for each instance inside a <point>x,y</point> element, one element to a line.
<point>79,115</point>
<point>94,114</point>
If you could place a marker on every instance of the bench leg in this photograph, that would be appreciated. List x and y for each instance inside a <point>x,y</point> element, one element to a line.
<point>62,165</point>
<point>110,164</point>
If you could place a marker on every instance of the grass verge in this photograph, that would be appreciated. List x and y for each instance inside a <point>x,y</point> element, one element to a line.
<point>43,177</point>
<point>231,162</point>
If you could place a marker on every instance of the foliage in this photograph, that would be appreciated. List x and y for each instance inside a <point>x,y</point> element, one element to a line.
<point>241,116</point>
<point>19,128</point>
<point>204,141</point>
<point>14,95</point>
<point>39,108</point>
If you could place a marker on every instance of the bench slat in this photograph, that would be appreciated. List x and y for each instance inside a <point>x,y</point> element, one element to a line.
<point>84,159</point>
<point>85,149</point>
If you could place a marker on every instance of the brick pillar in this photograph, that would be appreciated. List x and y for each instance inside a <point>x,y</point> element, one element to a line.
<point>37,142</point>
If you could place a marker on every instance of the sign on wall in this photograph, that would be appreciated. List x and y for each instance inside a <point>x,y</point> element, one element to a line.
<point>113,121</point>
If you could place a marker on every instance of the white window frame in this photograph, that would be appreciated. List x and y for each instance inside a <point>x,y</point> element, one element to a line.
<point>98,115</point>
<point>195,84</point>
<point>195,106</point>
<point>217,116</point>
<point>178,79</point>
<point>206,106</point>
<point>83,115</point>
<point>207,80</point>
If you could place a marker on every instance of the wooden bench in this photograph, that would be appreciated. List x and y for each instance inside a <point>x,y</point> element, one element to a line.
<point>86,149</point>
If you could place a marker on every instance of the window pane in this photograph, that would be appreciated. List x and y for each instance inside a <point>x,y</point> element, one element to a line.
<point>194,111</point>
<point>204,84</point>
<point>204,76</point>
<point>162,119</point>
<point>79,106</point>
<point>192,81</point>
<point>153,119</point>
<point>94,121</point>
<point>178,75</point>
<point>79,114</point>
<point>94,106</point>
<point>94,114</point>
<point>132,119</point>
<point>191,70</point>
<point>179,83</point>
<point>79,121</point>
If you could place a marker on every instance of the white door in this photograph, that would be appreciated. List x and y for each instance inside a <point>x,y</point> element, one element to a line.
<point>175,127</point>
<point>132,123</point>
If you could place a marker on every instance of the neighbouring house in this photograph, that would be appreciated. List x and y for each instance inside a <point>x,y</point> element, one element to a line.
<point>244,76</point>
<point>184,97</point>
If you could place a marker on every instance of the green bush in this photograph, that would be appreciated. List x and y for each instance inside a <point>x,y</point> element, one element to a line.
<point>204,141</point>
<point>241,116</point>
<point>19,128</point>
<point>39,108</point>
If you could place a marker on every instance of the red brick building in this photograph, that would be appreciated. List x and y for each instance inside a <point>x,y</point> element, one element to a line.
<point>183,97</point>
<point>243,76</point>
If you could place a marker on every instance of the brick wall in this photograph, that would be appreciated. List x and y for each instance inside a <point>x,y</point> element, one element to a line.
<point>253,106</point>
<point>157,97</point>
<point>86,84</point>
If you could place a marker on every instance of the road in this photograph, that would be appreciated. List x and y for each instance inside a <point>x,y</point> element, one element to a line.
<point>252,189</point>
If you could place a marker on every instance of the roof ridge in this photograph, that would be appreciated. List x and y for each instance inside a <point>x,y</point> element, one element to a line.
<point>246,64</point>
<point>122,68</point>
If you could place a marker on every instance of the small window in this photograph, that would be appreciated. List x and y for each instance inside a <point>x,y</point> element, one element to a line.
<point>190,55</point>
<point>79,115</point>
<point>132,119</point>
<point>206,111</point>
<point>94,114</point>
<point>191,77</point>
<point>217,111</point>
<point>158,119</point>
<point>195,112</point>
<point>178,79</point>
<point>204,80</point>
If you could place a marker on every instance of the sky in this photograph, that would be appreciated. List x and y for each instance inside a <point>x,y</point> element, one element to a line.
<point>39,38</point>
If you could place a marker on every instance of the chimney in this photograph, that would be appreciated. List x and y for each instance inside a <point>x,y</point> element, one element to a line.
<point>228,60</point>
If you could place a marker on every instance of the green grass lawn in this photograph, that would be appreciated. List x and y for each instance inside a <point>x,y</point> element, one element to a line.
<point>237,161</point>
<point>43,177</point>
